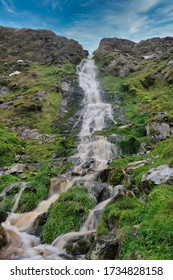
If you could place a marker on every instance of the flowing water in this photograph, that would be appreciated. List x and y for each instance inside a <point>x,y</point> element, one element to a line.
<point>96,115</point>
<point>96,149</point>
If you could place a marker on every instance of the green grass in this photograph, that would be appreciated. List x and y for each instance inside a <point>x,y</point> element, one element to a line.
<point>144,231</point>
<point>10,145</point>
<point>68,213</point>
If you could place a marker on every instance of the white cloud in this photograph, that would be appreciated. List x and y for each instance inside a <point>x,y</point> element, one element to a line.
<point>8,5</point>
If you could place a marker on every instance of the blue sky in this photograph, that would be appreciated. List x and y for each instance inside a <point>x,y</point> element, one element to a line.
<point>88,21</point>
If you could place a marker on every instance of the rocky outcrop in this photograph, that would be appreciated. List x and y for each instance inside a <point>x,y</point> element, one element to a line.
<point>159,130</point>
<point>121,56</point>
<point>106,248</point>
<point>42,46</point>
<point>25,132</point>
<point>159,175</point>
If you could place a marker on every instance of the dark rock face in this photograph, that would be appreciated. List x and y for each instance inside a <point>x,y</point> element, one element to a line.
<point>42,46</point>
<point>106,248</point>
<point>3,216</point>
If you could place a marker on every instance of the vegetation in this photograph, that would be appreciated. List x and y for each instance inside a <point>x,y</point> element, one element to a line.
<point>68,213</point>
<point>143,231</point>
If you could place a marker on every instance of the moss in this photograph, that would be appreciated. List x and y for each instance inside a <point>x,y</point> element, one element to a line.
<point>68,213</point>
<point>143,231</point>
<point>122,211</point>
<point>6,180</point>
<point>38,192</point>
<point>115,176</point>
<point>9,146</point>
<point>129,146</point>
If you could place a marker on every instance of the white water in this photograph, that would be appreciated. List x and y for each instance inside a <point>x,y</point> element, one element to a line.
<point>95,115</point>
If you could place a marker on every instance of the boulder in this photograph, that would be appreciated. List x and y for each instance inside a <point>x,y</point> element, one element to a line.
<point>79,247</point>
<point>16,169</point>
<point>159,175</point>
<point>3,216</point>
<point>158,131</point>
<point>106,248</point>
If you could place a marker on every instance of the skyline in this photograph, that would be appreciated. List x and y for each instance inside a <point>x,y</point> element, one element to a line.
<point>89,21</point>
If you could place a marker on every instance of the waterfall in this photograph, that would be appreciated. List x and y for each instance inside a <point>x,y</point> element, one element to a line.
<point>94,149</point>
<point>95,115</point>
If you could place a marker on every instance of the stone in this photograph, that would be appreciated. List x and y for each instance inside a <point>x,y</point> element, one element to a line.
<point>16,168</point>
<point>5,105</point>
<point>86,165</point>
<point>25,132</point>
<point>159,175</point>
<point>3,216</point>
<point>15,73</point>
<point>106,248</point>
<point>136,164</point>
<point>4,90</point>
<point>158,131</point>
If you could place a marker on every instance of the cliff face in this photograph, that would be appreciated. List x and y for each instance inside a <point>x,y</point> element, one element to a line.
<point>42,46</point>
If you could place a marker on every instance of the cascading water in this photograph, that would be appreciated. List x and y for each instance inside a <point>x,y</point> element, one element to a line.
<point>96,114</point>
<point>91,148</point>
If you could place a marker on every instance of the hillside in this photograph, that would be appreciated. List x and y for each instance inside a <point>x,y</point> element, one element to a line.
<point>137,78</point>
<point>41,114</point>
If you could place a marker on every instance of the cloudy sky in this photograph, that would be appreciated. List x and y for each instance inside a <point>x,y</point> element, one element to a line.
<point>87,21</point>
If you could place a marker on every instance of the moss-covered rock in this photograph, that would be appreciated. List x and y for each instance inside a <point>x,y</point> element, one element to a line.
<point>68,212</point>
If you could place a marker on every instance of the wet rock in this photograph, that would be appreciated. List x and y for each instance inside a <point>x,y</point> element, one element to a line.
<point>159,175</point>
<point>106,248</point>
<point>101,191</point>
<point>119,97</point>
<point>86,165</point>
<point>3,240</point>
<point>115,137</point>
<point>39,224</point>
<point>79,247</point>
<point>3,216</point>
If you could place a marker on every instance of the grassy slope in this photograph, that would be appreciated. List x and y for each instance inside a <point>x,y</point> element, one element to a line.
<point>144,230</point>
<point>36,113</point>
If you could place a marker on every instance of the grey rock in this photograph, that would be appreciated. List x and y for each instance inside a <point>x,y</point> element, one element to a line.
<point>159,130</point>
<point>86,165</point>
<point>159,175</point>
<point>106,248</point>
<point>5,105</point>
<point>4,90</point>
<point>25,132</point>
<point>16,169</point>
